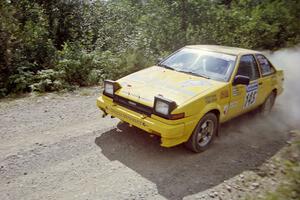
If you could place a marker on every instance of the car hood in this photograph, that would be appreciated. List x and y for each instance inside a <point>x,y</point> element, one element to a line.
<point>144,85</point>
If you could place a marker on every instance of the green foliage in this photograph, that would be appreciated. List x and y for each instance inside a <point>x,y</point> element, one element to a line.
<point>25,45</point>
<point>83,68</point>
<point>21,80</point>
<point>47,80</point>
<point>289,188</point>
<point>56,44</point>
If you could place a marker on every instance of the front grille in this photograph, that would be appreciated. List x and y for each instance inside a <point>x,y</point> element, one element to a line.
<point>137,107</point>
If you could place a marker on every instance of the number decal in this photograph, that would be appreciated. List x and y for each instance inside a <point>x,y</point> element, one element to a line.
<point>251,94</point>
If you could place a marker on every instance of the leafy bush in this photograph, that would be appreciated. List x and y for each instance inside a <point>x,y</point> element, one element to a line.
<point>95,76</point>
<point>84,42</point>
<point>21,80</point>
<point>83,68</point>
<point>47,80</point>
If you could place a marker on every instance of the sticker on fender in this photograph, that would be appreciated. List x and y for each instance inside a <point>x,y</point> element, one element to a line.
<point>251,94</point>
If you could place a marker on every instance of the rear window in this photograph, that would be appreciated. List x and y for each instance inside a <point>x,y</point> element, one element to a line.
<point>265,66</point>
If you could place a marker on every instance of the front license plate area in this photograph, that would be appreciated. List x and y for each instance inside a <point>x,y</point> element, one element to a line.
<point>127,118</point>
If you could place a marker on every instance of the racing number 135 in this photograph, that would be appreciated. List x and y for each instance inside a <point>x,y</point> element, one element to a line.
<point>251,94</point>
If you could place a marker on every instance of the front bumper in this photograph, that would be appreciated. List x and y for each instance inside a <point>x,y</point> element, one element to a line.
<point>171,134</point>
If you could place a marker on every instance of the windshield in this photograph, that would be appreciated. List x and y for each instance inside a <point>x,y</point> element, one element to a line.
<point>211,65</point>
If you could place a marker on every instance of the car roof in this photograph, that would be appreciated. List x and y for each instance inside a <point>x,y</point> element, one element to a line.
<point>223,49</point>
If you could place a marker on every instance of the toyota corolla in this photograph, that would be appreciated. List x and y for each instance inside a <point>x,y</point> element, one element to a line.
<point>185,97</point>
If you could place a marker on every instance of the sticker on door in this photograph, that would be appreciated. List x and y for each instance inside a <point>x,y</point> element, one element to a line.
<point>251,94</point>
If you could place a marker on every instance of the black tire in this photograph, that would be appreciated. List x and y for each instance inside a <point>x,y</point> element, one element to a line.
<point>197,141</point>
<point>267,106</point>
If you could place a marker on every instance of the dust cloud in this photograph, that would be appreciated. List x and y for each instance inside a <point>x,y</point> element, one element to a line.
<point>285,115</point>
<point>287,106</point>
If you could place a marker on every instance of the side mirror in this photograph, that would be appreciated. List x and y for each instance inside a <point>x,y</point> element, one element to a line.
<point>239,79</point>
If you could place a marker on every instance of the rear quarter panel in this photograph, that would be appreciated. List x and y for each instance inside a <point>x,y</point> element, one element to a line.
<point>278,82</point>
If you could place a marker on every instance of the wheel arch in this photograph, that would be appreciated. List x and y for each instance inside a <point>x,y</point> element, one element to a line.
<point>217,113</point>
<point>190,143</point>
<point>275,91</point>
<point>210,108</point>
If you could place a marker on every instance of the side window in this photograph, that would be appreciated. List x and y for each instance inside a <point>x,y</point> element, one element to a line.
<point>248,67</point>
<point>265,65</point>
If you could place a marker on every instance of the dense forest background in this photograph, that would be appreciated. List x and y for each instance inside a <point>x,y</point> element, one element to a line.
<point>49,45</point>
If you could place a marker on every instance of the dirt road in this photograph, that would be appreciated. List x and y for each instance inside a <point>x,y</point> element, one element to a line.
<point>59,147</point>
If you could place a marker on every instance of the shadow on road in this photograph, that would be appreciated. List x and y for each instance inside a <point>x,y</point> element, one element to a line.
<point>244,143</point>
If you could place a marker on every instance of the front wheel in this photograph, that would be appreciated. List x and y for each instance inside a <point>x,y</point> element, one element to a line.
<point>203,134</point>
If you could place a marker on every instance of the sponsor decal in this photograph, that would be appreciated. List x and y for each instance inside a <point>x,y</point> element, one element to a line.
<point>210,99</point>
<point>251,94</point>
<point>233,104</point>
<point>225,109</point>
<point>191,83</point>
<point>132,103</point>
<point>134,95</point>
<point>235,91</point>
<point>224,94</point>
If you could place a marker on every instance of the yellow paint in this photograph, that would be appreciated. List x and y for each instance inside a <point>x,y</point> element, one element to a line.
<point>195,96</point>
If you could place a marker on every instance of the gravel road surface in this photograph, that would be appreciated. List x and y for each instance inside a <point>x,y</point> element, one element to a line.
<point>58,146</point>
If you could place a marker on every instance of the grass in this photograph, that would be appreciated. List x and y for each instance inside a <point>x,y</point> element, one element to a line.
<point>289,188</point>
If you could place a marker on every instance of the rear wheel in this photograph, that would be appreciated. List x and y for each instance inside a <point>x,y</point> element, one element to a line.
<point>203,134</point>
<point>268,104</point>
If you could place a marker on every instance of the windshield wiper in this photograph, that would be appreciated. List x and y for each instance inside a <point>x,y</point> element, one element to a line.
<point>165,66</point>
<point>195,74</point>
<point>187,72</point>
<point>204,76</point>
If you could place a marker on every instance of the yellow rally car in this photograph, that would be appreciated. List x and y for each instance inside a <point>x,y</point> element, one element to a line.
<point>188,94</point>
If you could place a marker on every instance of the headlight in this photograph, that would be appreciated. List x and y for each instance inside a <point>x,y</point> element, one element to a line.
<point>110,87</point>
<point>163,107</point>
